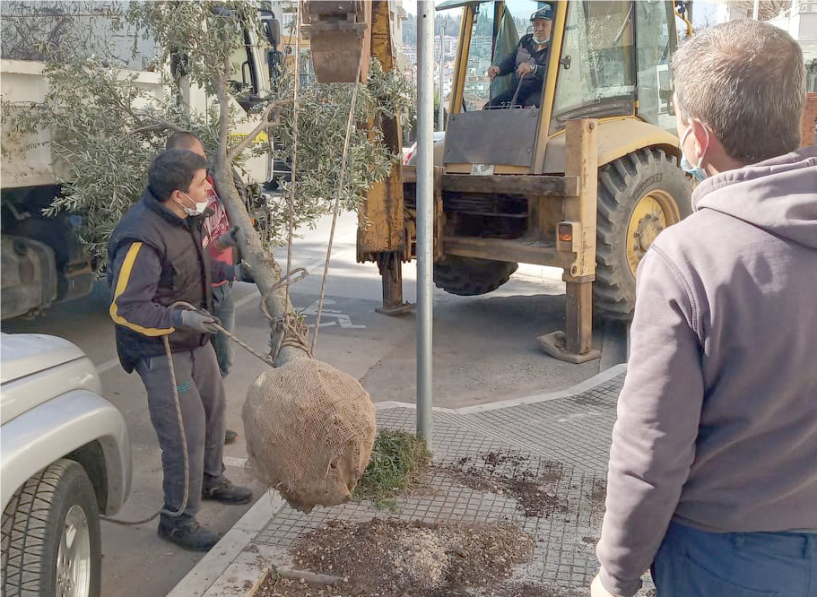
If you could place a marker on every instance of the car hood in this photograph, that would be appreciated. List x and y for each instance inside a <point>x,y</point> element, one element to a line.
<point>25,354</point>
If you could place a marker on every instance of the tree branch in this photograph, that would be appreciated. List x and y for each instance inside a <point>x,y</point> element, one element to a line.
<point>262,126</point>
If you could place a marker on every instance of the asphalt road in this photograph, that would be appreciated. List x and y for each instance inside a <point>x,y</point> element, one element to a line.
<point>484,350</point>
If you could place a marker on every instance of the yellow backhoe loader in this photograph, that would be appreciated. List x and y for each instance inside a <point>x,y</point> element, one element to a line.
<point>583,176</point>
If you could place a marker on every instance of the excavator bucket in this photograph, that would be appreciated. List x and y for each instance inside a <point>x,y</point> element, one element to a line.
<point>338,37</point>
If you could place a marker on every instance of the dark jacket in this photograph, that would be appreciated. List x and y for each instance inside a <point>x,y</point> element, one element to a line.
<point>156,259</point>
<point>526,52</point>
<point>717,420</point>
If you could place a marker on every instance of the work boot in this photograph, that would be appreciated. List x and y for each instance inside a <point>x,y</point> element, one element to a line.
<point>227,493</point>
<point>190,536</point>
<point>230,436</point>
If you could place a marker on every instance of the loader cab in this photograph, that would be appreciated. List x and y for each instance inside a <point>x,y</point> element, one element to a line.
<point>607,59</point>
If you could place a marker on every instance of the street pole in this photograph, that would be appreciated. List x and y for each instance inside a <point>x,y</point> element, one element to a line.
<point>756,10</point>
<point>441,110</point>
<point>425,214</point>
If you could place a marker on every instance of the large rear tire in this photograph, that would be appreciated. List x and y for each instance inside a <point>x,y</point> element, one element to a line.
<point>466,276</point>
<point>50,536</point>
<point>639,196</point>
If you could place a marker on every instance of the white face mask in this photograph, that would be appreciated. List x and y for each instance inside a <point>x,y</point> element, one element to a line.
<point>193,211</point>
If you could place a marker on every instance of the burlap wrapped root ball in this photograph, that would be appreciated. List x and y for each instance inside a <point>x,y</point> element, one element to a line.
<point>310,431</point>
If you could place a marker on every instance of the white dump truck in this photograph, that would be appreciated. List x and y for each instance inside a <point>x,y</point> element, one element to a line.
<point>43,261</point>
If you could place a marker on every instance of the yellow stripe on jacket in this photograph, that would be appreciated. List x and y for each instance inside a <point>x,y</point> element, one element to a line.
<point>121,285</point>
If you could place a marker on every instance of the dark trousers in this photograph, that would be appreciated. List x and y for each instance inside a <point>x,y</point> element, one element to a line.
<point>201,397</point>
<point>224,309</point>
<point>693,563</point>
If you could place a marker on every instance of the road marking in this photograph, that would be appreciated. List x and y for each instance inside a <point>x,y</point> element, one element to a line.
<point>342,318</point>
<point>234,462</point>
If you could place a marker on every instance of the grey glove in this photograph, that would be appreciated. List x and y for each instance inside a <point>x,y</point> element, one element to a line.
<point>198,322</point>
<point>244,273</point>
<point>230,238</point>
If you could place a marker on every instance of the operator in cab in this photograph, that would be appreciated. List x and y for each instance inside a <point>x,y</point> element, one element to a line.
<point>528,64</point>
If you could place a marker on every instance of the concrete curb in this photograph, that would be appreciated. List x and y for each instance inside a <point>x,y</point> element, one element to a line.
<point>228,551</point>
<point>229,569</point>
<point>580,388</point>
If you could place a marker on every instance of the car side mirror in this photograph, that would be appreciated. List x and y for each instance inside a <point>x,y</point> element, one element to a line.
<point>272,28</point>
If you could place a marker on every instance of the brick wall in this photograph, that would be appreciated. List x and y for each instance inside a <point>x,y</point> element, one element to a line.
<point>807,136</point>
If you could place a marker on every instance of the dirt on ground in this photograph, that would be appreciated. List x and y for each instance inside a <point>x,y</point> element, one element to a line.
<point>398,558</point>
<point>506,474</point>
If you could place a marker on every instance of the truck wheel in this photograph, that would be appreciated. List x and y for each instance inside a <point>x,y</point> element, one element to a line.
<point>467,276</point>
<point>50,536</point>
<point>639,195</point>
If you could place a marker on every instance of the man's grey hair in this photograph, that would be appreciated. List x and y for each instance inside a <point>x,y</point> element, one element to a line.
<point>746,81</point>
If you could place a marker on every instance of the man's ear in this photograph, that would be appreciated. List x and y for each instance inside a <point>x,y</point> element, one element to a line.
<point>703,139</point>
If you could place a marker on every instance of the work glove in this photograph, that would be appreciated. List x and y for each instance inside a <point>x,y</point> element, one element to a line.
<point>230,238</point>
<point>203,323</point>
<point>243,273</point>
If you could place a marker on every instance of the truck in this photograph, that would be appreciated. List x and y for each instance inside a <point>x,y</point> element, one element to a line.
<point>43,260</point>
<point>65,461</point>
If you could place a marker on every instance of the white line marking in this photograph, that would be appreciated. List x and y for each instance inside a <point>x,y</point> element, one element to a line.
<point>234,462</point>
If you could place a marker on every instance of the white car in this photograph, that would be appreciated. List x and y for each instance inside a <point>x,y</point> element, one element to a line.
<point>65,458</point>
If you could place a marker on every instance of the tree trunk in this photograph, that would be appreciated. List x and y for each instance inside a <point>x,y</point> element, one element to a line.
<point>265,269</point>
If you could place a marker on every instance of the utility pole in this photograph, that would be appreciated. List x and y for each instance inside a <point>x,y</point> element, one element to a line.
<point>756,10</point>
<point>425,214</point>
<point>441,109</point>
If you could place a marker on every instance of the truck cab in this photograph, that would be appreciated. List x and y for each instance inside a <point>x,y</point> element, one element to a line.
<point>44,261</point>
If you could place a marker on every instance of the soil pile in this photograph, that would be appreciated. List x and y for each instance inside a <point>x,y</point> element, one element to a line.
<point>396,558</point>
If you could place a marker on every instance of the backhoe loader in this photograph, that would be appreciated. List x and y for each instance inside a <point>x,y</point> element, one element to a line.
<point>584,178</point>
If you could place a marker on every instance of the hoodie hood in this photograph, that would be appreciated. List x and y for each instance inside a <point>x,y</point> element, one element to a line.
<point>778,195</point>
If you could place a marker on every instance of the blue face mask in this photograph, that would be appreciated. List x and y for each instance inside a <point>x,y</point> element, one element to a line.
<point>697,171</point>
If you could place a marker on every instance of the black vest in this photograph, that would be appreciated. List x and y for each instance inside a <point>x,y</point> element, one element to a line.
<point>185,273</point>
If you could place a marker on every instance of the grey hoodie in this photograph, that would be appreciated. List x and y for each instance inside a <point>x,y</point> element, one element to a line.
<point>717,420</point>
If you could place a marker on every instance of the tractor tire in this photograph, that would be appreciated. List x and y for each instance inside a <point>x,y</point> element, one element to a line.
<point>50,535</point>
<point>639,195</point>
<point>466,276</point>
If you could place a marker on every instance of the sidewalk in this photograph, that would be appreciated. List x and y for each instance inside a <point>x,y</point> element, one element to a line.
<point>562,438</point>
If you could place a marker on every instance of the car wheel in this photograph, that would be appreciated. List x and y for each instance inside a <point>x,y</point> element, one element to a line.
<point>50,536</point>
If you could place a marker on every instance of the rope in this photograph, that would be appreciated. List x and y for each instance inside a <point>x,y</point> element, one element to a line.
<point>343,165</point>
<point>295,109</point>
<point>180,419</point>
<point>292,328</point>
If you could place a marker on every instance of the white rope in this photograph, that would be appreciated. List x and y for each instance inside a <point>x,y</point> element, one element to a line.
<point>341,178</point>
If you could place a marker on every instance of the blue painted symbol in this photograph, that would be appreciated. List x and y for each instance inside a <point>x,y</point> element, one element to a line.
<point>184,386</point>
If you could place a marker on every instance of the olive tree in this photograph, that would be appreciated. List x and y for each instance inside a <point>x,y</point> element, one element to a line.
<point>106,128</point>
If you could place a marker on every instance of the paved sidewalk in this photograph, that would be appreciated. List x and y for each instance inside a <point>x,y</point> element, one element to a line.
<point>564,436</point>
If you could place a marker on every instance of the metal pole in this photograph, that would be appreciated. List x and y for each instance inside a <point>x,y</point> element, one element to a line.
<point>425,214</point>
<point>441,110</point>
<point>756,10</point>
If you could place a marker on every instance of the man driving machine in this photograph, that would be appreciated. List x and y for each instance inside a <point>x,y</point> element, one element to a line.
<point>528,64</point>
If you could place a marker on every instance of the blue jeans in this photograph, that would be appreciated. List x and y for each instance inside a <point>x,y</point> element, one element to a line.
<point>224,309</point>
<point>693,563</point>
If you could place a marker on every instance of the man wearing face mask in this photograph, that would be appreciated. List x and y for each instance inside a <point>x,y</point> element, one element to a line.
<point>220,241</point>
<point>528,64</point>
<point>157,259</point>
<point>712,480</point>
